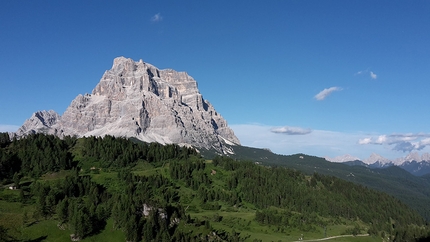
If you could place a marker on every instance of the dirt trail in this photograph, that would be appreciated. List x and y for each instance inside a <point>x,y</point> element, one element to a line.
<point>332,237</point>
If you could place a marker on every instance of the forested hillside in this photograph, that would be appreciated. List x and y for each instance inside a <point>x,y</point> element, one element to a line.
<point>392,180</point>
<point>113,189</point>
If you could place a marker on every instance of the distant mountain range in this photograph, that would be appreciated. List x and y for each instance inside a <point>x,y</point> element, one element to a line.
<point>414,163</point>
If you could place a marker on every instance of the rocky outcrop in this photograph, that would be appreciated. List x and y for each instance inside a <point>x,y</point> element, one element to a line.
<point>136,99</point>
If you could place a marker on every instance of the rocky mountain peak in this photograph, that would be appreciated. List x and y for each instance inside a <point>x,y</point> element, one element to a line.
<point>136,99</point>
<point>376,158</point>
<point>413,156</point>
<point>342,158</point>
<point>40,120</point>
<point>425,157</point>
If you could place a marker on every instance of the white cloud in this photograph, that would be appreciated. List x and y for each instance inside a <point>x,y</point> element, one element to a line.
<point>361,72</point>
<point>8,128</point>
<point>291,130</point>
<point>371,73</point>
<point>365,141</point>
<point>400,142</point>
<point>425,141</point>
<point>157,18</point>
<point>381,139</point>
<point>327,91</point>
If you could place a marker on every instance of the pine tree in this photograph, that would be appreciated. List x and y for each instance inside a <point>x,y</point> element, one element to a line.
<point>62,210</point>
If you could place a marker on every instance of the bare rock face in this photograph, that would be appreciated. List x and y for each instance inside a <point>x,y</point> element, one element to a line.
<point>135,99</point>
<point>40,121</point>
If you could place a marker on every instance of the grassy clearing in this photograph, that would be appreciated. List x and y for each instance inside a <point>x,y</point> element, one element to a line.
<point>108,234</point>
<point>45,230</point>
<point>149,172</point>
<point>105,178</point>
<point>143,166</point>
<point>243,222</point>
<point>11,218</point>
<point>56,175</point>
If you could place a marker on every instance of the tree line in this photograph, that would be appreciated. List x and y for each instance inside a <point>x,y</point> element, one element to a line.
<point>38,154</point>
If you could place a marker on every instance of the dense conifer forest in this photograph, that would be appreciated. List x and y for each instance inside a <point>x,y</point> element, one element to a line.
<point>118,189</point>
<point>391,180</point>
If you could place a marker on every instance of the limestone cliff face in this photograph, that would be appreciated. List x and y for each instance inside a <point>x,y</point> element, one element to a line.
<point>135,99</point>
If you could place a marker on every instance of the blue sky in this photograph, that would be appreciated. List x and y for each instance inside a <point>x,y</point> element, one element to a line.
<point>325,78</point>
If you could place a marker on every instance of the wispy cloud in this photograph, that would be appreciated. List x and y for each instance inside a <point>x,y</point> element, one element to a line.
<point>327,91</point>
<point>399,142</point>
<point>371,74</point>
<point>290,130</point>
<point>8,128</point>
<point>365,141</point>
<point>157,18</point>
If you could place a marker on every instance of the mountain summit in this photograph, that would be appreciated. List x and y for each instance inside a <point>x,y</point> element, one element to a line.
<point>136,99</point>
